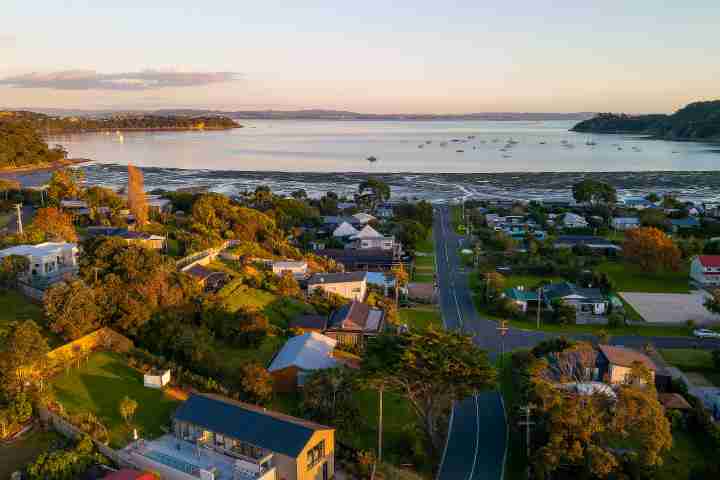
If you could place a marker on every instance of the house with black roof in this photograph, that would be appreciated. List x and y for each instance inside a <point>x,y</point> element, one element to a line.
<point>591,304</point>
<point>296,449</point>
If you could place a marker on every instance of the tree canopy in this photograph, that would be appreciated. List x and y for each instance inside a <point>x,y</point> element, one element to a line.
<point>594,192</point>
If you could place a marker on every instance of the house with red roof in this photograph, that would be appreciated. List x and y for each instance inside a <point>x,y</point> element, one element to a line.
<point>705,270</point>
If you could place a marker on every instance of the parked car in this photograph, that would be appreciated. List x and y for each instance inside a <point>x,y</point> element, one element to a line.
<point>705,333</point>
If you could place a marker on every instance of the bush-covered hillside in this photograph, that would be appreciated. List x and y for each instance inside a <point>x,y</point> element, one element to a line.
<point>21,145</point>
<point>696,121</point>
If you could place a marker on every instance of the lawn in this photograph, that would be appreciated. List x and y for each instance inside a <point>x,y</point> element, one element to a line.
<point>689,451</point>
<point>232,357</point>
<point>421,318</point>
<point>427,245</point>
<point>529,281</point>
<point>279,310</point>
<point>100,385</point>
<point>628,277</point>
<point>16,307</point>
<point>17,455</point>
<point>693,361</point>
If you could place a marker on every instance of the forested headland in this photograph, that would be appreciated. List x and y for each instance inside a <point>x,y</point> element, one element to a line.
<point>698,121</point>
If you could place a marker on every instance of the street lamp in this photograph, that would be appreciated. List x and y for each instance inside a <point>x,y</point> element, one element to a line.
<point>503,330</point>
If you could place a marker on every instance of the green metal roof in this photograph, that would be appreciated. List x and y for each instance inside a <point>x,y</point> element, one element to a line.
<point>270,430</point>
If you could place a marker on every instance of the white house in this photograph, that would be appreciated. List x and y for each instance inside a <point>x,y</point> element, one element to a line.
<point>350,285</point>
<point>368,237</point>
<point>46,259</point>
<point>363,218</point>
<point>625,223</point>
<point>705,270</point>
<point>299,357</point>
<point>345,230</point>
<point>573,220</point>
<point>298,268</point>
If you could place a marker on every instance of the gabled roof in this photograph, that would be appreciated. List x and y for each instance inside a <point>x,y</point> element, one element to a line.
<point>317,322</point>
<point>345,230</point>
<point>356,316</point>
<point>363,217</point>
<point>626,220</point>
<point>263,428</point>
<point>709,260</point>
<point>39,250</point>
<point>685,222</point>
<point>566,289</point>
<point>625,357</point>
<point>311,351</point>
<point>521,295</point>
<point>342,277</point>
<point>368,232</point>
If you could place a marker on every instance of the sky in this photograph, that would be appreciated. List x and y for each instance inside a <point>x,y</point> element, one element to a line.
<point>390,56</point>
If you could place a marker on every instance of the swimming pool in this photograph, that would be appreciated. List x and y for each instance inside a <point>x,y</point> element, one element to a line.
<point>173,462</point>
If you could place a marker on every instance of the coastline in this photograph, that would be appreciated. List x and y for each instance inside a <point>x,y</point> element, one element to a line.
<point>34,175</point>
<point>131,129</point>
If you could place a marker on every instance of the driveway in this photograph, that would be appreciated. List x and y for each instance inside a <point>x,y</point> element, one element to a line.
<point>672,308</point>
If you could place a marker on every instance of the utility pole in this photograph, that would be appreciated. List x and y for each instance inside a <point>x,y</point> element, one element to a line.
<point>18,207</point>
<point>539,306</point>
<point>526,423</point>
<point>503,329</point>
<point>380,424</point>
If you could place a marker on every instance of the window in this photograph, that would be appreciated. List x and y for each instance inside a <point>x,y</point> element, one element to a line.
<point>586,307</point>
<point>316,454</point>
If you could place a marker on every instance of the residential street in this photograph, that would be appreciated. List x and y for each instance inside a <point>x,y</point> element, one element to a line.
<point>471,440</point>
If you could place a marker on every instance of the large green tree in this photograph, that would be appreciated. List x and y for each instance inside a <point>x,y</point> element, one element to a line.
<point>431,369</point>
<point>25,348</point>
<point>594,192</point>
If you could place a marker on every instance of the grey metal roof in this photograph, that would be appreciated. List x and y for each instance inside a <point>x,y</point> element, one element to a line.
<point>273,431</point>
<point>324,278</point>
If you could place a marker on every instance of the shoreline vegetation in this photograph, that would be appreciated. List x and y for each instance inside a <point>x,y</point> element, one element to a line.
<point>697,122</point>
<point>43,167</point>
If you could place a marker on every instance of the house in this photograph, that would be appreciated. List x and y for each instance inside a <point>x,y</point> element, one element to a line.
<point>332,221</point>
<point>370,259</point>
<point>588,302</point>
<point>625,223</point>
<point>345,230</point>
<point>385,211</point>
<point>369,238</point>
<point>298,269</point>
<point>615,363</point>
<point>346,205</point>
<point>638,203</point>
<point>363,218</point>
<point>521,297</point>
<point>48,260</point>
<point>148,240</point>
<point>353,323</point>
<point>299,357</point>
<point>679,224</point>
<point>596,244</point>
<point>256,443</point>
<point>210,280</point>
<point>309,323</point>
<point>705,270</point>
<point>573,220</point>
<point>350,285</point>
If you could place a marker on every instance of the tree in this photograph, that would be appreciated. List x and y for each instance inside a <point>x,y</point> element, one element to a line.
<point>651,249</point>
<point>493,284</point>
<point>65,183</point>
<point>127,409</point>
<point>373,192</point>
<point>65,464</point>
<point>564,313</point>
<point>652,197</point>
<point>137,202</point>
<point>594,192</point>
<point>55,225</point>
<point>72,309</point>
<point>256,382</point>
<point>25,348</point>
<point>11,267</point>
<point>712,303</point>
<point>401,279</point>
<point>7,184</point>
<point>653,217</point>
<point>431,369</point>
<point>410,233</point>
<point>287,285</point>
<point>300,194</point>
<point>328,396</point>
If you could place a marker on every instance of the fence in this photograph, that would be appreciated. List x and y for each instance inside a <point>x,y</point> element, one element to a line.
<point>105,337</point>
<point>204,257</point>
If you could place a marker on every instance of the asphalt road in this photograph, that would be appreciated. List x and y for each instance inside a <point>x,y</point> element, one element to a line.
<point>472,450</point>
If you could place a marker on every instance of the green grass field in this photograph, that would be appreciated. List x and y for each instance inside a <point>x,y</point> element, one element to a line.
<point>421,318</point>
<point>693,361</point>
<point>529,281</point>
<point>16,307</point>
<point>98,387</point>
<point>234,357</point>
<point>427,245</point>
<point>279,310</point>
<point>15,456</point>
<point>628,277</point>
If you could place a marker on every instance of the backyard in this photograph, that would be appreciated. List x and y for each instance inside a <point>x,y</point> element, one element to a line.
<point>14,456</point>
<point>628,277</point>
<point>101,383</point>
<point>425,260</point>
<point>421,318</point>
<point>696,364</point>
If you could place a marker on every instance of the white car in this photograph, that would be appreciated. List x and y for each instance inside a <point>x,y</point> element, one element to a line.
<point>705,333</point>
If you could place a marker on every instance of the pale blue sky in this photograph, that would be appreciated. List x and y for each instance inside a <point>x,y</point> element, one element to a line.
<point>370,56</point>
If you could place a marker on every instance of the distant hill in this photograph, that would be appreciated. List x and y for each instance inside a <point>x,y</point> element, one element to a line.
<point>698,121</point>
<point>53,124</point>
<point>321,114</point>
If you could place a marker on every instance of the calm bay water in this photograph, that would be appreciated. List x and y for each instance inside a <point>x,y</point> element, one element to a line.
<point>417,159</point>
<point>420,147</point>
